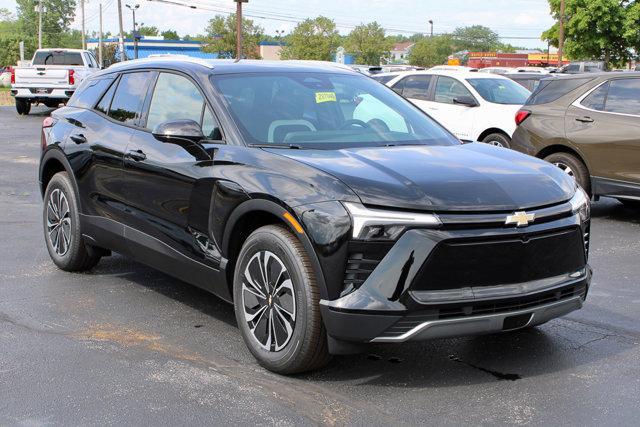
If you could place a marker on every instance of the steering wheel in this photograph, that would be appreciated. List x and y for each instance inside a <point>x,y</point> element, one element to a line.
<point>354,122</point>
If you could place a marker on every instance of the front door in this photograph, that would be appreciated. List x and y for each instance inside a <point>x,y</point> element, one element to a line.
<point>459,119</point>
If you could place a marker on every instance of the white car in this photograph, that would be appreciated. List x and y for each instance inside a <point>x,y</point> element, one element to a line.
<point>473,106</point>
<point>51,78</point>
<point>531,70</point>
<point>452,68</point>
<point>495,70</point>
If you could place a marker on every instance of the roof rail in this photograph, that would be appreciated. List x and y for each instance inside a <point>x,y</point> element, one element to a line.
<point>164,56</point>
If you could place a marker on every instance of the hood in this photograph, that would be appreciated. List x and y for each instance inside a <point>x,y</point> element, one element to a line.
<point>476,176</point>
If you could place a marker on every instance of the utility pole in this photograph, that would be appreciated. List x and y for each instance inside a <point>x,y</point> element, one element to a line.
<point>561,33</point>
<point>239,28</point>
<point>84,44</point>
<point>40,24</point>
<point>431,23</point>
<point>136,36</point>
<point>121,41</point>
<point>100,40</point>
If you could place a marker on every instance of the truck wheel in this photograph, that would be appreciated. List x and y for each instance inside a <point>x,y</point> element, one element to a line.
<point>276,301</point>
<point>497,139</point>
<point>573,166</point>
<point>23,106</point>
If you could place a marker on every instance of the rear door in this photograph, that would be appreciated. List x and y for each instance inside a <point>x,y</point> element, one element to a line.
<point>605,125</point>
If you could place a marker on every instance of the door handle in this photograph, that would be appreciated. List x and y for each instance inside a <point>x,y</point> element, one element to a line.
<point>584,119</point>
<point>78,139</point>
<point>136,155</point>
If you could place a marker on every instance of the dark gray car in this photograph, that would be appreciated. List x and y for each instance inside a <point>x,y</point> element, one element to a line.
<point>588,125</point>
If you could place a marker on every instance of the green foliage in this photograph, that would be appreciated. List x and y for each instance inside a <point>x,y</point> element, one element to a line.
<point>632,27</point>
<point>313,39</point>
<point>431,51</point>
<point>55,21</point>
<point>221,37</point>
<point>596,29</point>
<point>146,30</point>
<point>476,38</point>
<point>170,35</point>
<point>368,43</point>
<point>10,48</point>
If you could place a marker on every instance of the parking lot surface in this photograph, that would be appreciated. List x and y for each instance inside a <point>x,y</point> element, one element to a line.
<point>125,344</point>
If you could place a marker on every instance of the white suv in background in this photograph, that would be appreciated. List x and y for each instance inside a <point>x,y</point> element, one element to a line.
<point>473,106</point>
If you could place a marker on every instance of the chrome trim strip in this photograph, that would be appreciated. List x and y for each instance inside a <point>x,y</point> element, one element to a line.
<point>499,218</point>
<point>578,102</point>
<point>477,323</point>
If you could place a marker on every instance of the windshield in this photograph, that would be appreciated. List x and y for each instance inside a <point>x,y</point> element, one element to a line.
<point>500,91</point>
<point>50,57</point>
<point>324,111</point>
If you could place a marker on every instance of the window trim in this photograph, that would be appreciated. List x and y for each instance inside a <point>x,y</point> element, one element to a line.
<point>578,102</point>
<point>152,87</point>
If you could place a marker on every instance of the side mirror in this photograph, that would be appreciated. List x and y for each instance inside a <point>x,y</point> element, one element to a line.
<point>178,129</point>
<point>469,101</point>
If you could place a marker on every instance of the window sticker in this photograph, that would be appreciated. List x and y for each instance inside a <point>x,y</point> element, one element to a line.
<point>325,97</point>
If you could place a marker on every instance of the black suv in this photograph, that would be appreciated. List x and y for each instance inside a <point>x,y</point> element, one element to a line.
<point>329,210</point>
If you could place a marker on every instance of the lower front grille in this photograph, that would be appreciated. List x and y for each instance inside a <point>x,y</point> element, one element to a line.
<point>363,258</point>
<point>454,311</point>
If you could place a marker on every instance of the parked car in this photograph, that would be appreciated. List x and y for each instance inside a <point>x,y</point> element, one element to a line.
<point>52,78</point>
<point>495,70</point>
<point>473,106</point>
<point>452,68</point>
<point>538,70</point>
<point>589,126</point>
<point>367,70</point>
<point>260,182</point>
<point>385,78</point>
<point>530,81</point>
<point>5,76</point>
<point>581,67</point>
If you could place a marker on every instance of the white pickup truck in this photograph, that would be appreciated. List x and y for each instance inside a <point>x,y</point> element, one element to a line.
<point>52,77</point>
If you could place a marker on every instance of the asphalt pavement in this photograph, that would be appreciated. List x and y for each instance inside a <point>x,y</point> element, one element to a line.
<point>124,344</point>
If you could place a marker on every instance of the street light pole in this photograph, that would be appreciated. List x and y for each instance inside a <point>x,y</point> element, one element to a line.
<point>40,24</point>
<point>239,28</point>
<point>135,35</point>
<point>100,61</point>
<point>121,41</point>
<point>431,23</point>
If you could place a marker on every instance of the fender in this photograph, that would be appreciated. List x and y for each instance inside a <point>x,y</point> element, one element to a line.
<point>278,210</point>
<point>53,152</point>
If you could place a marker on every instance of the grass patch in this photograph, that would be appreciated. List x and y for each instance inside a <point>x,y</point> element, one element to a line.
<point>4,89</point>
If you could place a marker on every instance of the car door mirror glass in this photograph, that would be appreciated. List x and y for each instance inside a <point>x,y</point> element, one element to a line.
<point>174,130</point>
<point>465,100</point>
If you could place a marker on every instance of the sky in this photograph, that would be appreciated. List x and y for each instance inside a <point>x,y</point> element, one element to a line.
<point>514,20</point>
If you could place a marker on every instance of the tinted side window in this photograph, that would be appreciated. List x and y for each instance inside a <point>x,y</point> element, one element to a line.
<point>596,99</point>
<point>399,86</point>
<point>126,106</point>
<point>551,89</point>
<point>105,101</point>
<point>416,87</point>
<point>447,89</point>
<point>174,98</point>
<point>87,96</point>
<point>624,96</point>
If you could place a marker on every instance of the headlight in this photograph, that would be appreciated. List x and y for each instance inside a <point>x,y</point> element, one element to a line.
<point>581,204</point>
<point>378,224</point>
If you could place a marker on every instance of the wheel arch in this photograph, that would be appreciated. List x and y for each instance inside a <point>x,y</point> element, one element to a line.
<point>52,162</point>
<point>253,214</point>
<point>489,131</point>
<point>559,148</point>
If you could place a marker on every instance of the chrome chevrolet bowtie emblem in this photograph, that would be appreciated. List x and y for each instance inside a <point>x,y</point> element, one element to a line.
<point>520,219</point>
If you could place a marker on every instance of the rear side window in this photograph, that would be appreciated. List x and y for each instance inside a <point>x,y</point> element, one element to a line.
<point>57,58</point>
<point>597,98</point>
<point>624,96</point>
<point>551,89</point>
<point>126,106</point>
<point>90,92</point>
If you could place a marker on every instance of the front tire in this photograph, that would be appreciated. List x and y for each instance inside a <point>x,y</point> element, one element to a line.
<point>573,166</point>
<point>498,139</point>
<point>23,106</point>
<point>276,301</point>
<point>61,218</point>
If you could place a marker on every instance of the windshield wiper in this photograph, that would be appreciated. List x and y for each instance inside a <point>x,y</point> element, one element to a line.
<point>291,146</point>
<point>400,144</point>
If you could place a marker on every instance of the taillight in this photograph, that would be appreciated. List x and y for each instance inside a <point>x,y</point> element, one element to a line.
<point>72,78</point>
<point>48,122</point>
<point>13,76</point>
<point>521,116</point>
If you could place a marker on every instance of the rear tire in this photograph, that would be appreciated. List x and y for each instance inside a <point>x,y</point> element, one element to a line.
<point>23,106</point>
<point>573,166</point>
<point>62,233</point>
<point>498,139</point>
<point>280,322</point>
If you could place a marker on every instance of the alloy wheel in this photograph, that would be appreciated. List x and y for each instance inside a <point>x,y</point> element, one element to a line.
<point>496,143</point>
<point>566,168</point>
<point>58,222</point>
<point>268,301</point>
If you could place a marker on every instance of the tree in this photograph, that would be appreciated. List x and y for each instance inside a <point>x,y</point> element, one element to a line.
<point>594,29</point>
<point>431,51</point>
<point>145,30</point>
<point>59,15</point>
<point>315,39</point>
<point>476,38</point>
<point>10,48</point>
<point>221,37</point>
<point>170,35</point>
<point>368,43</point>
<point>632,26</point>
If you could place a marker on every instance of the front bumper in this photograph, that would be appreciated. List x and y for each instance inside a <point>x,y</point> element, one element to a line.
<point>407,297</point>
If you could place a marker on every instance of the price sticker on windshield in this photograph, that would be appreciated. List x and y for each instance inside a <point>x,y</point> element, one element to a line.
<point>325,97</point>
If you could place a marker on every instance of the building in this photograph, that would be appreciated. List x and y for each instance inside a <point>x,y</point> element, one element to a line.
<point>400,52</point>
<point>270,50</point>
<point>497,59</point>
<point>157,45</point>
